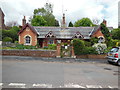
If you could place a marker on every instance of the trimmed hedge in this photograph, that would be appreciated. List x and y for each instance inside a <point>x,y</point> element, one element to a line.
<point>81,49</point>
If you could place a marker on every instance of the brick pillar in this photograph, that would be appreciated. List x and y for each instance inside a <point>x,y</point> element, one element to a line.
<point>73,54</point>
<point>58,51</point>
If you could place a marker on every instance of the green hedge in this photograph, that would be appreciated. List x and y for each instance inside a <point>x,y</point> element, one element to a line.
<point>20,46</point>
<point>52,46</point>
<point>81,49</point>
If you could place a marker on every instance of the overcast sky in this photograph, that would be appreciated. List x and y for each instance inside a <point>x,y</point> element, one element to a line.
<point>14,10</point>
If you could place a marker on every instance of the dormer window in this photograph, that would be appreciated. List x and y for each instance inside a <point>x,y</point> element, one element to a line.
<point>50,35</point>
<point>78,35</point>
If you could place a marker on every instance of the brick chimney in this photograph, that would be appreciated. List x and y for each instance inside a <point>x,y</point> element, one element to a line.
<point>104,22</point>
<point>23,21</point>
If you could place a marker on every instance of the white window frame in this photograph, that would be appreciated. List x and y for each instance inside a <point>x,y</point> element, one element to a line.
<point>25,40</point>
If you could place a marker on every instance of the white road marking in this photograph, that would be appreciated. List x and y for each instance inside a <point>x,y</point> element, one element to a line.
<point>93,86</point>
<point>43,85</point>
<point>1,84</point>
<point>71,85</point>
<point>112,86</point>
<point>22,85</point>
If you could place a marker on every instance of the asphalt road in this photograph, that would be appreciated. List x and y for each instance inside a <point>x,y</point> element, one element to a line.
<point>29,72</point>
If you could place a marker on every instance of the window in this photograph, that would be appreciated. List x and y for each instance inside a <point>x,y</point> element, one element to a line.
<point>51,41</point>
<point>27,40</point>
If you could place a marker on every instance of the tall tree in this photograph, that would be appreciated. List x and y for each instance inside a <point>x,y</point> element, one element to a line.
<point>47,13</point>
<point>83,22</point>
<point>70,24</point>
<point>38,21</point>
<point>106,33</point>
<point>105,30</point>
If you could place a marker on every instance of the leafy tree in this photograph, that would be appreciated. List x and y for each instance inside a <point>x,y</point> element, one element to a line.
<point>12,33</point>
<point>38,21</point>
<point>105,32</point>
<point>116,34</point>
<point>83,22</point>
<point>70,24</point>
<point>57,23</point>
<point>47,13</point>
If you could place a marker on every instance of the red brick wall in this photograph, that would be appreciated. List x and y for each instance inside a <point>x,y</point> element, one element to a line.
<point>29,33</point>
<point>32,53</point>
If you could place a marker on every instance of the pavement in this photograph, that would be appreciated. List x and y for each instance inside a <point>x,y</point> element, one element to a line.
<point>70,60</point>
<point>36,72</point>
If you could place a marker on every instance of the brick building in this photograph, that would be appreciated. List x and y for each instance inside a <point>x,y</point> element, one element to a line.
<point>32,35</point>
<point>2,25</point>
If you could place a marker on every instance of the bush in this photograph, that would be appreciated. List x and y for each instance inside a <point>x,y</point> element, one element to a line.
<point>52,46</point>
<point>7,39</point>
<point>94,40</point>
<point>87,44</point>
<point>100,48</point>
<point>78,46</point>
<point>119,43</point>
<point>90,50</point>
<point>112,43</point>
<point>20,46</point>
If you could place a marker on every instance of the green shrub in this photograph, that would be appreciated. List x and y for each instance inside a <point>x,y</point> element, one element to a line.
<point>78,46</point>
<point>87,43</point>
<point>16,42</point>
<point>7,39</point>
<point>112,43</point>
<point>20,46</point>
<point>65,44</point>
<point>89,50</point>
<point>94,40</point>
<point>119,43</point>
<point>52,46</point>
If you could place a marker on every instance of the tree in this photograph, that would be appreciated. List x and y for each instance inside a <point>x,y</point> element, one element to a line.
<point>105,31</point>
<point>47,13</point>
<point>116,34</point>
<point>70,24</point>
<point>56,23</point>
<point>12,33</point>
<point>38,21</point>
<point>83,22</point>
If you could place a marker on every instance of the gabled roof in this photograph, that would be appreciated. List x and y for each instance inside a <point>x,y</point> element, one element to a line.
<point>27,25</point>
<point>64,33</point>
